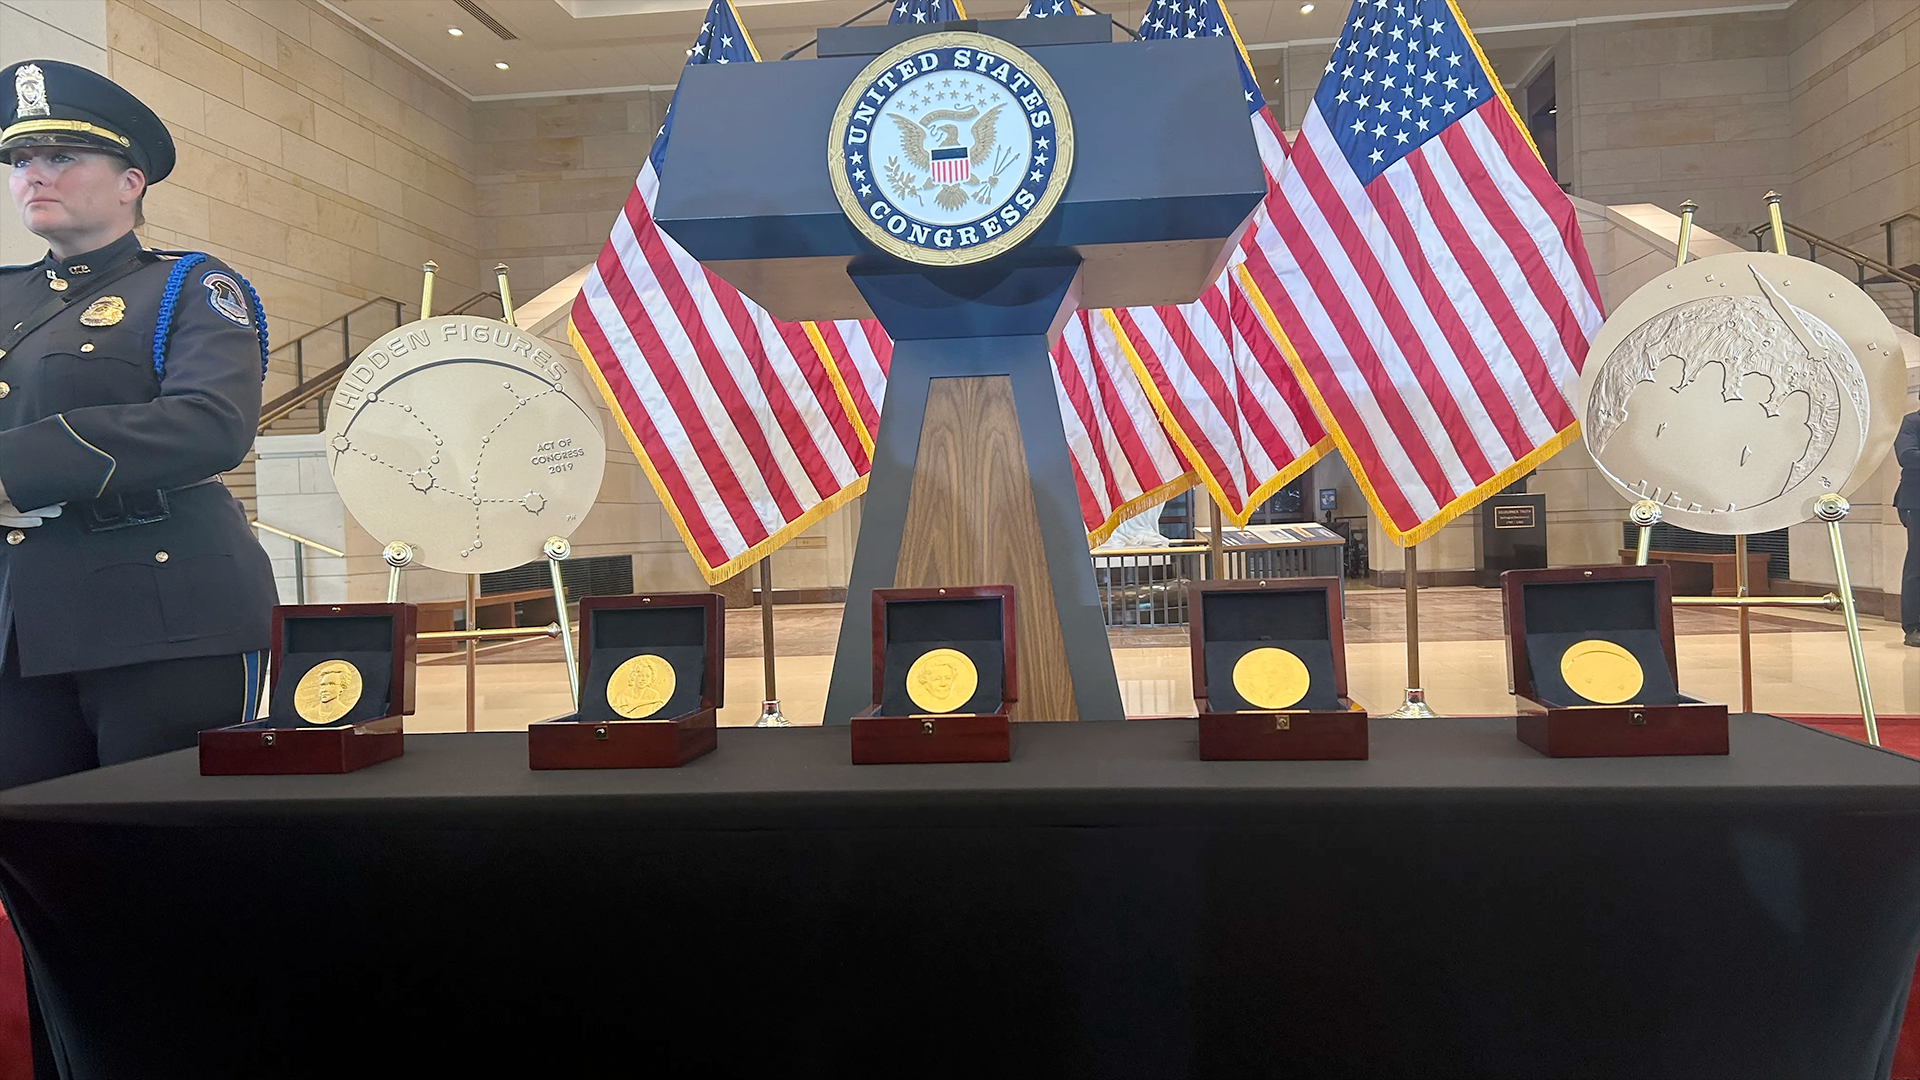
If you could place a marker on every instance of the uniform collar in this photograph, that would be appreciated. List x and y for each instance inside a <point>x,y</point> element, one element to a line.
<point>90,261</point>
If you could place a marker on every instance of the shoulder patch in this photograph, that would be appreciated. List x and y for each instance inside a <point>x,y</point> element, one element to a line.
<point>225,296</point>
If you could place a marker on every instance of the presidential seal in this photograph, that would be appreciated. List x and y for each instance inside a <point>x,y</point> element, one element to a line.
<point>950,149</point>
<point>327,692</point>
<point>1736,390</point>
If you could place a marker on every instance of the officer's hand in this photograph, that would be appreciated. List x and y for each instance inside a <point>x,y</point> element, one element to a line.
<point>13,518</point>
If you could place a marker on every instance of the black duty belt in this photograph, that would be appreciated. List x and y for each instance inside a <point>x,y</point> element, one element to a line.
<point>129,508</point>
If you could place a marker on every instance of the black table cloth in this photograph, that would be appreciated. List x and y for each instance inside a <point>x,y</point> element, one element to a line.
<point>1103,905</point>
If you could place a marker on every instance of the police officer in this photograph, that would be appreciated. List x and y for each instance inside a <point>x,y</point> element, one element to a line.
<point>134,597</point>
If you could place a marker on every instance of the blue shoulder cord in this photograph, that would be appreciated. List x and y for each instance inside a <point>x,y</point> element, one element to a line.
<point>170,296</point>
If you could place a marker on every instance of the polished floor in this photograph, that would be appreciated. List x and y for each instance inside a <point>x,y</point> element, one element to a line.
<point>1800,664</point>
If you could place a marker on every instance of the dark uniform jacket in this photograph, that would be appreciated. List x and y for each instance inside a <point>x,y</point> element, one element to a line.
<point>1906,450</point>
<point>151,559</point>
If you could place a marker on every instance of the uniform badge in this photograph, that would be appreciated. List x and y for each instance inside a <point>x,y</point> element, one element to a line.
<point>225,296</point>
<point>30,92</point>
<point>105,311</point>
<point>950,149</point>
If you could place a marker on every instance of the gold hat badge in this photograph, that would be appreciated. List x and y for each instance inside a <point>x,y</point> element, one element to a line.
<point>641,686</point>
<point>1271,678</point>
<point>1601,671</point>
<point>942,680</point>
<point>327,692</point>
<point>105,311</point>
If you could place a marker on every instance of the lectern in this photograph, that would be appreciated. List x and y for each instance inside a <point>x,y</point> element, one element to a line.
<point>971,481</point>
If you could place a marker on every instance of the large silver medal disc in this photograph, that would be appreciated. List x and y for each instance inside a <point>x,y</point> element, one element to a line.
<point>1736,390</point>
<point>468,439</point>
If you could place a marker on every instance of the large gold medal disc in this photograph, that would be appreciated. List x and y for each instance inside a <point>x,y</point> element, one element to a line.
<point>641,686</point>
<point>1601,671</point>
<point>1270,678</point>
<point>327,692</point>
<point>942,680</point>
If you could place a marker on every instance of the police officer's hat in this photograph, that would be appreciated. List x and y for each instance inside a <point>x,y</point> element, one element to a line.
<point>48,103</point>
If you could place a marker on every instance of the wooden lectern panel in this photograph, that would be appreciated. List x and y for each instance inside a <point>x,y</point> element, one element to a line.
<point>971,521</point>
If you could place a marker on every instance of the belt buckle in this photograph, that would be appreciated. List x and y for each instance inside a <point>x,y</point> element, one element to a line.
<point>123,511</point>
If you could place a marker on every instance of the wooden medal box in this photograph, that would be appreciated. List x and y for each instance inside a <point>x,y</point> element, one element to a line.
<point>976,620</point>
<point>688,630</point>
<point>1548,611</point>
<point>1301,615</point>
<point>378,640</point>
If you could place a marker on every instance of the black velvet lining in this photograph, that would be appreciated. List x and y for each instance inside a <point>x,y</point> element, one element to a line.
<point>1238,623</point>
<point>970,625</point>
<point>677,635</point>
<point>1562,614</point>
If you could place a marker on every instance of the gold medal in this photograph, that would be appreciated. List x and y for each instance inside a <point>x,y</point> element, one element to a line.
<point>641,686</point>
<point>1271,678</point>
<point>942,680</point>
<point>1601,671</point>
<point>104,312</point>
<point>328,691</point>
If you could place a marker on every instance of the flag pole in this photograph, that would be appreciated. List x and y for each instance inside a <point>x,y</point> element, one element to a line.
<point>1415,706</point>
<point>770,715</point>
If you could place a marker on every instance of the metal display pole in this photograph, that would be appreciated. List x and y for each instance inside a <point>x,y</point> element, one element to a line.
<point>1833,509</point>
<point>1415,706</point>
<point>1646,514</point>
<point>397,555</point>
<point>770,714</point>
<point>473,619</point>
<point>557,549</point>
<point>1742,590</point>
<point>1213,540</point>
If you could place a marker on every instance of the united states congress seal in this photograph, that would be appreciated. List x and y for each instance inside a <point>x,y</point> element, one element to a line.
<point>950,148</point>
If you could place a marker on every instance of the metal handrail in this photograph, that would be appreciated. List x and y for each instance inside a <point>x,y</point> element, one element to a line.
<point>298,539</point>
<point>1862,262</point>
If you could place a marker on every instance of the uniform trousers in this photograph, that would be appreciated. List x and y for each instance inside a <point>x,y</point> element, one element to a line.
<point>58,724</point>
<point>53,725</point>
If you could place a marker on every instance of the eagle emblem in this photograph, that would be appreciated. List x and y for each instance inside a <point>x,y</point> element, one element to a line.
<point>938,159</point>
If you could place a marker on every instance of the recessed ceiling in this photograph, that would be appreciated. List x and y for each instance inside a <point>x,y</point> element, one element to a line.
<point>571,46</point>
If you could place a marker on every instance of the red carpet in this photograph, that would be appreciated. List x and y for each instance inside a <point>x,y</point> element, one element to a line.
<point>16,1056</point>
<point>1900,733</point>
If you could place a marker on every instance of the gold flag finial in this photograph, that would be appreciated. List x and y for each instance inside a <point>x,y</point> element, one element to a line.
<point>506,294</point>
<point>1779,227</point>
<point>427,270</point>
<point>1687,210</point>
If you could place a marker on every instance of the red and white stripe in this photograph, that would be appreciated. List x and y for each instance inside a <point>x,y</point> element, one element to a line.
<point>734,414</point>
<point>861,354</point>
<point>1439,314</point>
<point>1219,378</point>
<point>1123,461</point>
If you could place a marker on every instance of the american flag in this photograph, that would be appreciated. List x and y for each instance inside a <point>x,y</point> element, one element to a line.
<point>926,11</point>
<point>740,422</point>
<point>1213,369</point>
<point>1426,270</point>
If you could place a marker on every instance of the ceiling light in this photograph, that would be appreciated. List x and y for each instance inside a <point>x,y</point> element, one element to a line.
<point>501,64</point>
<point>455,31</point>
<point>1306,9</point>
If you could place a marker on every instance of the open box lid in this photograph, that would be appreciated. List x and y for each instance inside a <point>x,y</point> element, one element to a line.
<point>974,619</point>
<point>1550,611</point>
<point>1299,615</point>
<point>686,631</point>
<point>356,662</point>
